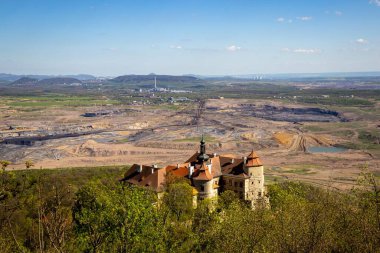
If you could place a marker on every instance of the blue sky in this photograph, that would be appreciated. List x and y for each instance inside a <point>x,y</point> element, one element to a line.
<point>189,36</point>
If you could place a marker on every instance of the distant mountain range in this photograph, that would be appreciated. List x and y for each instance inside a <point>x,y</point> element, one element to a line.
<point>12,77</point>
<point>293,75</point>
<point>25,81</point>
<point>189,78</point>
<point>47,81</point>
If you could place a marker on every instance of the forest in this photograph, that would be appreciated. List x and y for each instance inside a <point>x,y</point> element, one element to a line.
<point>90,210</point>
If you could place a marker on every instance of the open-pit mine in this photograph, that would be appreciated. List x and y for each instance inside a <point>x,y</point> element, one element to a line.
<point>294,141</point>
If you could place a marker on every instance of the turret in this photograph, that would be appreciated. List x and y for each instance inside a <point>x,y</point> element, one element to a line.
<point>253,166</point>
<point>202,157</point>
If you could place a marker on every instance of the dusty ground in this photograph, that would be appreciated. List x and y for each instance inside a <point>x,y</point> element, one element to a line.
<point>158,135</point>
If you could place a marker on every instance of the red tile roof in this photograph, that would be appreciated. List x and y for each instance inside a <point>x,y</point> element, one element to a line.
<point>253,160</point>
<point>203,173</point>
<point>149,176</point>
<point>180,171</point>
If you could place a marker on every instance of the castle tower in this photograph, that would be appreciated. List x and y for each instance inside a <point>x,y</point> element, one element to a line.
<point>255,170</point>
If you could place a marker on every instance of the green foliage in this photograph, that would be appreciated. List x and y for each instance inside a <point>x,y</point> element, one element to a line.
<point>178,199</point>
<point>29,164</point>
<point>90,211</point>
<point>4,164</point>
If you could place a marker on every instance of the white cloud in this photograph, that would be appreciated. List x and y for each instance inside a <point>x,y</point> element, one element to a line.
<point>337,13</point>
<point>306,51</point>
<point>361,40</point>
<point>176,47</point>
<point>282,20</point>
<point>301,50</point>
<point>233,48</point>
<point>376,2</point>
<point>306,18</point>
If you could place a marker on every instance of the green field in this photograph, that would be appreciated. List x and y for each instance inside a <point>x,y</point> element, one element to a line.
<point>207,138</point>
<point>54,101</point>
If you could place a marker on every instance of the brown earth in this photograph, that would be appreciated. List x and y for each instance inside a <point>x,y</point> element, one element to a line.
<point>151,135</point>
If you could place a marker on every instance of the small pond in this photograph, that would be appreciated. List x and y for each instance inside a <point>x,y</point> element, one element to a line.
<point>326,149</point>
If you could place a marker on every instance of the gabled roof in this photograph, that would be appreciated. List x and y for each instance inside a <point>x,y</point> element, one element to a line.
<point>233,167</point>
<point>181,170</point>
<point>216,170</point>
<point>193,158</point>
<point>148,177</point>
<point>203,174</point>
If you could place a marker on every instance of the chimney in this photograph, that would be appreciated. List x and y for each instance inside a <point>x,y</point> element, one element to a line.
<point>215,154</point>
<point>191,171</point>
<point>232,160</point>
<point>155,166</point>
<point>245,160</point>
<point>209,166</point>
<point>152,170</point>
<point>177,165</point>
<point>139,169</point>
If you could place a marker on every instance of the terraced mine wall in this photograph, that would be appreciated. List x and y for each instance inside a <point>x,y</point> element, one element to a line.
<point>289,114</point>
<point>31,140</point>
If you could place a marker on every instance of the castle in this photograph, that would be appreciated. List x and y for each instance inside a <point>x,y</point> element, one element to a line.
<point>210,174</point>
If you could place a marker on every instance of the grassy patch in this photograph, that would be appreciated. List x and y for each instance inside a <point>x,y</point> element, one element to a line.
<point>336,101</point>
<point>197,139</point>
<point>348,179</point>
<point>271,179</point>
<point>368,139</point>
<point>299,171</point>
<point>124,140</point>
<point>55,101</point>
<point>313,128</point>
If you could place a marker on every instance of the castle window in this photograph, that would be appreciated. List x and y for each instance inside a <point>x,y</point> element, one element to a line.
<point>241,184</point>
<point>259,181</point>
<point>252,182</point>
<point>259,194</point>
<point>202,188</point>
